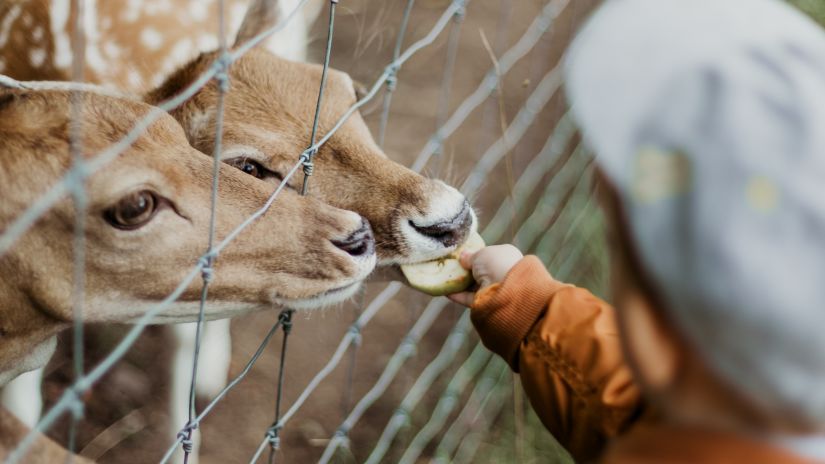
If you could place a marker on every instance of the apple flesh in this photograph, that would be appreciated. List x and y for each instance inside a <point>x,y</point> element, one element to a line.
<point>443,276</point>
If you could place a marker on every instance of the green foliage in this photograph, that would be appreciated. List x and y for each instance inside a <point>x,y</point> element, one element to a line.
<point>534,445</point>
<point>813,8</point>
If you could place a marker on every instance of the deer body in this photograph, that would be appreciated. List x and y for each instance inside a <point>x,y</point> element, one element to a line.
<point>131,45</point>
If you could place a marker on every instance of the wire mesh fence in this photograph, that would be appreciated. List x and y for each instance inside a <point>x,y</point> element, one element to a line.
<point>471,388</point>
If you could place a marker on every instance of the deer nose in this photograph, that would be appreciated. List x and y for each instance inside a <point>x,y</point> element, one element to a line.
<point>450,232</point>
<point>359,243</point>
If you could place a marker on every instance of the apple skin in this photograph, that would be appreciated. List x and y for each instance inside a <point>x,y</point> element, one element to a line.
<point>443,276</point>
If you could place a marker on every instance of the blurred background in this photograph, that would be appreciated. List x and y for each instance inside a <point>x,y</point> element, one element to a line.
<point>539,195</point>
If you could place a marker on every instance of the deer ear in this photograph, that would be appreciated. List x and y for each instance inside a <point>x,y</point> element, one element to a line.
<point>264,14</point>
<point>260,16</point>
<point>312,9</point>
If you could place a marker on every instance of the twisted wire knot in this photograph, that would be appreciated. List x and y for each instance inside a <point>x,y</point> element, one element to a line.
<point>286,320</point>
<point>207,271</point>
<point>342,437</point>
<point>76,405</point>
<point>187,445</point>
<point>78,174</point>
<point>409,346</point>
<point>402,412</point>
<point>392,82</point>
<point>185,436</point>
<point>459,14</point>
<point>355,330</point>
<point>309,166</point>
<point>273,436</point>
<point>222,73</point>
<point>392,76</point>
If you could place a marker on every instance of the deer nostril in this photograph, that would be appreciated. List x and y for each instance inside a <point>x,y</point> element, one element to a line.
<point>450,232</point>
<point>359,243</point>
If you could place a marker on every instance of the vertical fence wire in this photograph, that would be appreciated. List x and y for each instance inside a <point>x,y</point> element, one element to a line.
<point>207,273</point>
<point>79,198</point>
<point>220,396</point>
<point>308,165</point>
<point>353,333</point>
<point>392,79</point>
<point>274,440</point>
<point>453,42</point>
<point>346,400</point>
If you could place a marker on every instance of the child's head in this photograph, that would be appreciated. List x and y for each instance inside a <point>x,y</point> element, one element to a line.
<point>708,120</point>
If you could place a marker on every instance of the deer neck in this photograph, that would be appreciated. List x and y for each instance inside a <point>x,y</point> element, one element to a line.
<point>28,336</point>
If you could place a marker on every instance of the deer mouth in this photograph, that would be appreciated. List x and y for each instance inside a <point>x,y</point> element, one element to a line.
<point>436,240</point>
<point>322,300</point>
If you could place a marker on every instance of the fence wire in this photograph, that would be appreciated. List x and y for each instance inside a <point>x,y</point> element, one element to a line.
<point>80,200</point>
<point>549,159</point>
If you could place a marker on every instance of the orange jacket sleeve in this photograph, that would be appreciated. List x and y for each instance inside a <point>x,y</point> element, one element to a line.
<point>564,343</point>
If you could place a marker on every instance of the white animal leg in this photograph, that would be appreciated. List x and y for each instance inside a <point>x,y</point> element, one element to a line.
<point>213,369</point>
<point>22,396</point>
<point>215,358</point>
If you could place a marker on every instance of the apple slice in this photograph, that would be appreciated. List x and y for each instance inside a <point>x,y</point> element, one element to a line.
<point>445,275</point>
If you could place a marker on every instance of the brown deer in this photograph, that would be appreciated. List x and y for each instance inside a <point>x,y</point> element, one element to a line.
<point>268,115</point>
<point>147,224</point>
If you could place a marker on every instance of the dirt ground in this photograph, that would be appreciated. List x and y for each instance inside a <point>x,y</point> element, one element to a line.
<point>130,404</point>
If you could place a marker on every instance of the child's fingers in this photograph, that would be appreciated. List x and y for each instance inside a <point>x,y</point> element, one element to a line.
<point>466,259</point>
<point>463,298</point>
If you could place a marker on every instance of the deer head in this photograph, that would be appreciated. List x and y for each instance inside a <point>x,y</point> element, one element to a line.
<point>268,116</point>
<point>147,224</point>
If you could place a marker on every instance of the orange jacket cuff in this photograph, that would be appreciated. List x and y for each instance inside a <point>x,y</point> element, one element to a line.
<point>504,313</point>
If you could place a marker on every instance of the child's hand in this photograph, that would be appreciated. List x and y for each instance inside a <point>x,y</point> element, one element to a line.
<point>489,266</point>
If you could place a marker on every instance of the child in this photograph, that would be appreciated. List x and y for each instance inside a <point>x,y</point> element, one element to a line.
<point>708,120</point>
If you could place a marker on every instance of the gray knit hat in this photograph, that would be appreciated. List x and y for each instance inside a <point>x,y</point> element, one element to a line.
<point>709,118</point>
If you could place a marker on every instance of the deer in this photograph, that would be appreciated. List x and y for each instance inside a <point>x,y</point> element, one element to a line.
<point>36,43</point>
<point>147,224</point>
<point>267,122</point>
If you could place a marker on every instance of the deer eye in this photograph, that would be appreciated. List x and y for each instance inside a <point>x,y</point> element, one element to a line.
<point>133,211</point>
<point>248,166</point>
<point>253,168</point>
